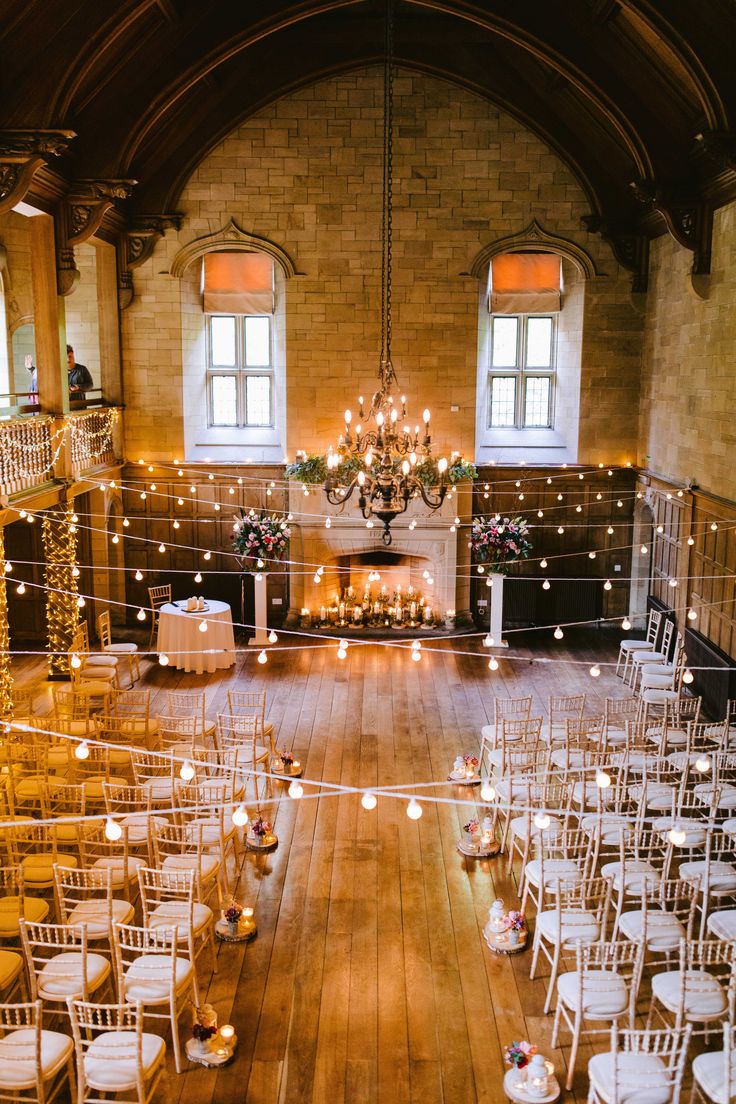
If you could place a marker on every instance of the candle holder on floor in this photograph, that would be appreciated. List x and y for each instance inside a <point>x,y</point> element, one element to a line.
<point>479,841</point>
<point>260,837</point>
<point>465,771</point>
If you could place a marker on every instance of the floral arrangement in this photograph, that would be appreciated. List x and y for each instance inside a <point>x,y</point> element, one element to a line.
<point>205,1023</point>
<point>498,541</point>
<point>260,827</point>
<point>470,761</point>
<point>233,913</point>
<point>518,1054</point>
<point>202,1033</point>
<point>260,538</point>
<point>311,470</point>
<point>471,827</point>
<point>286,758</point>
<point>516,921</point>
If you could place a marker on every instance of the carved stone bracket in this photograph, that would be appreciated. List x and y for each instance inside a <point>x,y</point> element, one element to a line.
<point>22,153</point>
<point>87,204</point>
<point>143,235</point>
<point>689,221</point>
<point>630,249</point>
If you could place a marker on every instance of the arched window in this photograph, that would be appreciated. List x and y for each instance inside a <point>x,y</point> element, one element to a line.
<point>532,295</point>
<point>234,345</point>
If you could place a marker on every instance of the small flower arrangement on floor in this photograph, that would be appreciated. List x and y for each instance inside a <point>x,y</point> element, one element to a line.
<point>286,758</point>
<point>497,541</point>
<point>516,921</point>
<point>232,913</point>
<point>471,827</point>
<point>260,827</point>
<point>518,1054</point>
<point>470,761</point>
<point>205,1023</point>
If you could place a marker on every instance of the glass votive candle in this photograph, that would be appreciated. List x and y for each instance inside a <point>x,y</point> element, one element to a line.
<point>227,1033</point>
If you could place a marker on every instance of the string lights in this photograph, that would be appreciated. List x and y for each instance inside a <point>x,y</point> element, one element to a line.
<point>62,613</point>
<point>6,679</point>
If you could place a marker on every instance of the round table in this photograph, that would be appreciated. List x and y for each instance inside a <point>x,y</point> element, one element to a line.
<point>179,637</point>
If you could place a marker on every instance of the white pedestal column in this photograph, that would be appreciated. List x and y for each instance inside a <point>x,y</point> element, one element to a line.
<point>260,585</point>
<point>495,630</point>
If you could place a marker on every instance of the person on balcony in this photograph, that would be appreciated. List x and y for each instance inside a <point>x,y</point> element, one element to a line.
<point>80,379</point>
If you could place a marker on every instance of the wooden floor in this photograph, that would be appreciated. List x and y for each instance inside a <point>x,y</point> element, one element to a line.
<point>369,979</point>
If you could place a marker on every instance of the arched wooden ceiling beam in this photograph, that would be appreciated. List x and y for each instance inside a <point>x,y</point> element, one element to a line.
<point>623,126</point>
<point>708,95</point>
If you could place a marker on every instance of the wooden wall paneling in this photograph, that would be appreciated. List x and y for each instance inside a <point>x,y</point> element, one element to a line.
<point>26,612</point>
<point>712,591</point>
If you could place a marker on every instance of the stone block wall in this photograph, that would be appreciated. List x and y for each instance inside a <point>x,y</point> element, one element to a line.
<point>305,172</point>
<point>689,365</point>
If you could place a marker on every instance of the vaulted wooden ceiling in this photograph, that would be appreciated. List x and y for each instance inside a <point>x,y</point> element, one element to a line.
<point>629,92</point>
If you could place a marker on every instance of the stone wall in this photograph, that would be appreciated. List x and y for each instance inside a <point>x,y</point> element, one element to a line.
<point>306,173</point>
<point>689,365</point>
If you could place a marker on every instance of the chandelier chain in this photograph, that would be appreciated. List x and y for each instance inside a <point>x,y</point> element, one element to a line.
<point>387,373</point>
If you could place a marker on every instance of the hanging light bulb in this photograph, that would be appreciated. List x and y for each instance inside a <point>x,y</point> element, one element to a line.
<point>342,651</point>
<point>713,526</point>
<point>481,569</point>
<point>8,567</point>
<point>113,831</point>
<point>691,541</point>
<point>115,538</point>
<point>493,664</point>
<point>239,816</point>
<point>81,751</point>
<point>609,530</point>
<point>272,637</point>
<point>558,633</point>
<point>186,771</point>
<point>543,564</point>
<point>643,550</point>
<point>176,525</point>
<point>546,584</point>
<point>677,836</point>
<point>541,820</point>
<point>672,582</point>
<point>318,578</point>
<point>602,779</point>
<point>141,615</point>
<point>75,572</point>
<point>414,809</point>
<point>487,791</point>
<point>207,556</point>
<point>162,547</point>
<point>296,790</point>
<point>692,615</point>
<point>163,659</point>
<point>688,676</point>
<point>607,585</point>
<point>202,626</point>
<point>702,764</point>
<point>561,530</point>
<point>626,624</point>
<point>81,602</point>
<point>591,555</point>
<point>126,523</point>
<point>75,661</point>
<point>198,577</point>
<point>20,589</point>
<point>369,801</point>
<point>138,576</point>
<point>262,657</point>
<point>595,671</point>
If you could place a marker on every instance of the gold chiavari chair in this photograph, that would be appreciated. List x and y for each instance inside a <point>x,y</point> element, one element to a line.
<point>114,1054</point>
<point>158,596</point>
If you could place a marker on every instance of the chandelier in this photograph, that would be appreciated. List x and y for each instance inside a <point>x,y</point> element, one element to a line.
<point>385,462</point>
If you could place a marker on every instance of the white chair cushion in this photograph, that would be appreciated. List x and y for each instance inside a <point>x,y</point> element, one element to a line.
<point>62,977</point>
<point>648,655</point>
<point>111,1063</point>
<point>728,827</point>
<point>563,757</point>
<point>575,925</point>
<point>120,874</point>
<point>695,836</point>
<point>605,995</point>
<point>642,1078</point>
<point>722,874</point>
<point>171,914</point>
<point>658,795</point>
<point>633,645</point>
<point>94,915</point>
<point>139,826</point>
<point>98,660</point>
<point>705,792</point>
<point>709,1070</point>
<point>522,827</point>
<point>723,925</point>
<point>585,794</point>
<point>611,826</point>
<point>207,865</point>
<point>90,673</point>
<point>664,930</point>
<point>18,1056</point>
<point>704,997</point>
<point>148,979</point>
<point>639,873</point>
<point>565,871</point>
<point>121,649</point>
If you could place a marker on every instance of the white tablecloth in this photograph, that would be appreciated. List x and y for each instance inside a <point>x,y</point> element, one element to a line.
<point>189,649</point>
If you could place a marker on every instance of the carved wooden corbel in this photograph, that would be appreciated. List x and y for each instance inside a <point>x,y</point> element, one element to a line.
<point>22,153</point>
<point>689,221</point>
<point>136,246</point>
<point>87,204</point>
<point>630,249</point>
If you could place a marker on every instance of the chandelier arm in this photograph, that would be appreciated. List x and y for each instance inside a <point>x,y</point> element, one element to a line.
<point>436,502</point>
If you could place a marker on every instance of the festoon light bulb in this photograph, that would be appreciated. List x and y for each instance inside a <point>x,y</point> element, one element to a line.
<point>414,809</point>
<point>113,831</point>
<point>369,801</point>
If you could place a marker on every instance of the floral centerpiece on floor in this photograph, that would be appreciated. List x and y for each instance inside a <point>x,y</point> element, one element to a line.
<point>261,539</point>
<point>497,541</point>
<point>516,921</point>
<point>471,761</point>
<point>471,827</point>
<point>286,758</point>
<point>205,1023</point>
<point>260,827</point>
<point>232,913</point>
<point>518,1054</point>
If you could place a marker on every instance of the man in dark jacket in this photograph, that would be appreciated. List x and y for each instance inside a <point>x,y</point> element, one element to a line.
<point>79,378</point>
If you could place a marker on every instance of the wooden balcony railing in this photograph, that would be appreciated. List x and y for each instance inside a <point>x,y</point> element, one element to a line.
<point>28,449</point>
<point>91,439</point>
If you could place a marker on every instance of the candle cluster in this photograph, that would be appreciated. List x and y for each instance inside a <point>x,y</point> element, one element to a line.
<point>375,607</point>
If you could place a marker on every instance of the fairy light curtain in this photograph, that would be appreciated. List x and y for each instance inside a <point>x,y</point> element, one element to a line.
<point>6,680</point>
<point>62,614</point>
<point>525,283</point>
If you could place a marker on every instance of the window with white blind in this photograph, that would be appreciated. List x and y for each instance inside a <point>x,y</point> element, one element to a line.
<point>240,384</point>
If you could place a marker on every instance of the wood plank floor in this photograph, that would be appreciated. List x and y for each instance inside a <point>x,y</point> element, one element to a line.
<point>370,980</point>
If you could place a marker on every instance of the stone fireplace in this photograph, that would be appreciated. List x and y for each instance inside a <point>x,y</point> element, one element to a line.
<point>434,545</point>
